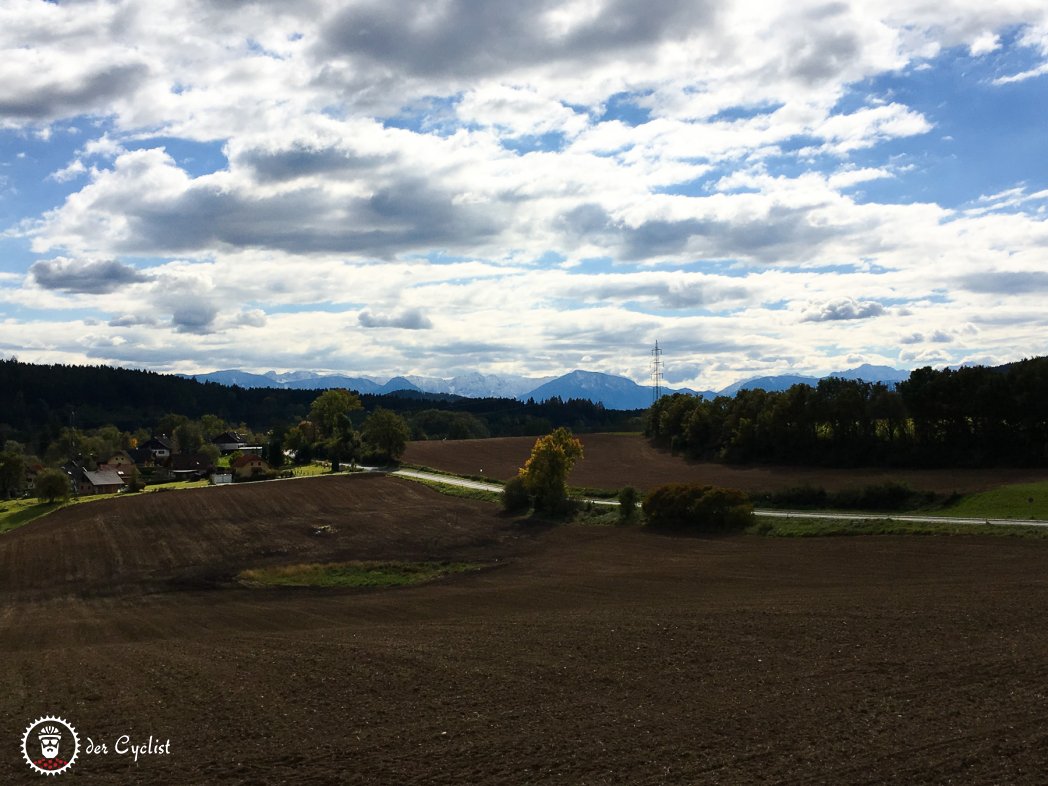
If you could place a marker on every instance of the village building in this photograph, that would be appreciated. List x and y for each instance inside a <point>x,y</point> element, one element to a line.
<point>159,447</point>
<point>248,466</point>
<point>229,441</point>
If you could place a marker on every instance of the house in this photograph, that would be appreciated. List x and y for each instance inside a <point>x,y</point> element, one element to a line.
<point>121,460</point>
<point>98,482</point>
<point>229,441</point>
<point>190,466</point>
<point>158,446</point>
<point>85,482</point>
<point>121,463</point>
<point>248,466</point>
<point>32,469</point>
<point>142,457</point>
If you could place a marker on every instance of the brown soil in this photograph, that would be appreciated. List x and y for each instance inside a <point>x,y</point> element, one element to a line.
<point>200,538</point>
<point>612,461</point>
<point>593,655</point>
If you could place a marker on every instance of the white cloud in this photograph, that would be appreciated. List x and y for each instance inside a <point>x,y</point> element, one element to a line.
<point>843,309</point>
<point>984,44</point>
<point>846,178</point>
<point>383,191</point>
<point>1022,76</point>
<point>408,319</point>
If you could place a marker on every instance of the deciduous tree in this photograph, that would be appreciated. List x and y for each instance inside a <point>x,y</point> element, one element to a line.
<point>12,473</point>
<point>545,473</point>
<point>387,433</point>
<point>51,485</point>
<point>328,406</point>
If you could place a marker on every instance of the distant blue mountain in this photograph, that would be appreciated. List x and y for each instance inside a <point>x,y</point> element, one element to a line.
<point>771,384</point>
<point>867,373</point>
<point>359,384</point>
<point>397,384</point>
<point>611,391</point>
<point>243,379</point>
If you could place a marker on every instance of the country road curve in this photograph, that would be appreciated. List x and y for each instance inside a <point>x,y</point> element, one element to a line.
<point>453,480</point>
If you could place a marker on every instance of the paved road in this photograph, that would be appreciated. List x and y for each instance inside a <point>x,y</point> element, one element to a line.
<point>452,480</point>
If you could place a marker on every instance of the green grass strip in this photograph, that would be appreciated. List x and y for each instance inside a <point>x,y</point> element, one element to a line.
<point>1014,501</point>
<point>458,491</point>
<point>355,574</point>
<point>821,528</point>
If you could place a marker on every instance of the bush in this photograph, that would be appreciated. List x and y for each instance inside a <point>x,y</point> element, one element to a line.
<point>799,497</point>
<point>691,508</point>
<point>627,502</point>
<point>877,497</point>
<point>135,482</point>
<point>882,496</point>
<point>515,497</point>
<point>52,485</point>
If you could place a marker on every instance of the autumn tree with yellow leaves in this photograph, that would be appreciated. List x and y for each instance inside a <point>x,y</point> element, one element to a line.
<point>545,473</point>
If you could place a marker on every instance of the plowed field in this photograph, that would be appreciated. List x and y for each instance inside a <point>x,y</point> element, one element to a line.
<point>589,655</point>
<point>612,461</point>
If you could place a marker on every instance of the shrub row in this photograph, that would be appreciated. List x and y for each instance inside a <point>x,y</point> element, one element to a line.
<point>889,496</point>
<point>690,508</point>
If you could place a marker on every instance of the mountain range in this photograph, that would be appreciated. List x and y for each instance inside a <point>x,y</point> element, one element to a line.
<point>614,392</point>
<point>867,373</point>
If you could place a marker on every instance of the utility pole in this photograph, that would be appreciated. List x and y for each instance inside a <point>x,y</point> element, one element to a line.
<point>656,372</point>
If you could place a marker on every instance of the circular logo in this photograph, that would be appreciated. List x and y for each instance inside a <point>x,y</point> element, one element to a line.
<point>50,745</point>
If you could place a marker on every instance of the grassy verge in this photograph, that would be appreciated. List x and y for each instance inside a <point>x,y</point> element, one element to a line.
<point>176,484</point>
<point>431,470</point>
<point>310,470</point>
<point>820,528</point>
<point>355,574</point>
<point>17,512</point>
<point>460,491</point>
<point>604,516</point>
<point>1015,501</point>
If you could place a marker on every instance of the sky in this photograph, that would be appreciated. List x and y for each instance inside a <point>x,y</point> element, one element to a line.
<point>391,187</point>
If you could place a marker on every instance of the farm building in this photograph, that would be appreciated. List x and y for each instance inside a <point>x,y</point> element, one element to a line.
<point>248,466</point>
<point>105,481</point>
<point>229,441</point>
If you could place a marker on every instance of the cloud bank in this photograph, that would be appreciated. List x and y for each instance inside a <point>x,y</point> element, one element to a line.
<point>380,187</point>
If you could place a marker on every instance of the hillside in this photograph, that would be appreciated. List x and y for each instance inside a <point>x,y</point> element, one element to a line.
<point>200,538</point>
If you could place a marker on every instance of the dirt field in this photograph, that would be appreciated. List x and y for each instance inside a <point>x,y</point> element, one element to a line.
<point>591,656</point>
<point>612,461</point>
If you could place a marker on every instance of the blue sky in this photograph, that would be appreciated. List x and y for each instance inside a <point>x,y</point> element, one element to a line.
<point>382,188</point>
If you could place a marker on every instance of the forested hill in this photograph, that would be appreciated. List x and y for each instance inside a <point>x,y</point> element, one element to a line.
<point>33,396</point>
<point>36,401</point>
<point>972,416</point>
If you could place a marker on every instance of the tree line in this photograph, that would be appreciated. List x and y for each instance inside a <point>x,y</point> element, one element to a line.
<point>38,401</point>
<point>967,417</point>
